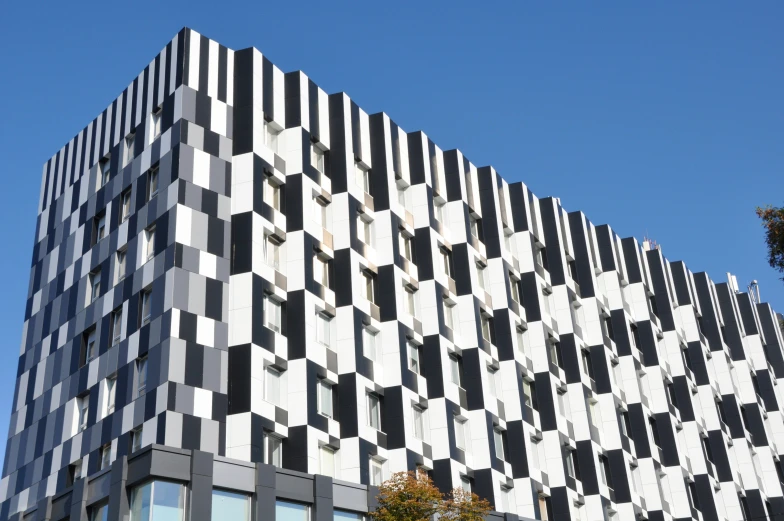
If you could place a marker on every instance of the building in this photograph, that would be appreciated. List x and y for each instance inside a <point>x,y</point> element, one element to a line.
<point>235,271</point>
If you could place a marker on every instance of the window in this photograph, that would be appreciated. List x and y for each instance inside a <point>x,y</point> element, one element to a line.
<point>507,499</point>
<point>515,287</point>
<point>486,326</point>
<point>695,502</point>
<point>636,337</point>
<point>272,314</point>
<point>158,500</point>
<point>271,137</point>
<point>546,301</point>
<point>374,411</point>
<point>481,276</point>
<point>401,196</point>
<point>455,369</point>
<point>438,211</point>
<point>99,513</point>
<point>461,425</point>
<point>82,410</point>
<point>321,271</point>
<point>671,395</point>
<point>272,385</point>
<point>149,244</point>
<point>74,472</point>
<point>155,124</point>
<point>99,227</point>
<point>473,225</point>
<point>104,173</point>
<point>89,346</point>
<point>364,230</point>
<point>146,306</point>
<point>418,417</point>
<point>413,358</point>
<point>604,468</point>
<point>595,414</point>
<point>116,326</point>
<point>106,455</point>
<point>554,352</point>
<point>367,288</point>
<point>572,265</point>
<point>498,443</point>
<point>405,247</point>
<point>541,256</point>
<point>626,425</point>
<point>273,450</point>
<point>125,205</point>
<point>369,343</point>
<point>320,212</point>
<point>654,431</point>
<point>446,262</point>
<point>529,395</point>
<point>323,329</point>
<point>272,193</point>
<point>491,383</point>
<point>136,438</point>
<point>120,268</point>
<point>520,332</point>
<point>111,393</point>
<point>376,472</point>
<point>571,464</point>
<point>563,404</point>
<point>95,285</point>
<point>449,318</point>
<point>327,463</point>
<point>706,448</point>
<point>608,329</point>
<point>325,398</point>
<point>316,157</point>
<point>230,506</point>
<point>129,152</point>
<point>362,177</point>
<point>271,252</point>
<point>410,300</point>
<point>152,183</point>
<point>141,372</point>
<point>465,484</point>
<point>587,365</point>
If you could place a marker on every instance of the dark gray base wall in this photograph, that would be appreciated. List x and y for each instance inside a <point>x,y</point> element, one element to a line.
<point>201,472</point>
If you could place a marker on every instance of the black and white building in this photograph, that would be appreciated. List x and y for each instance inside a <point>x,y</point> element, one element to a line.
<point>247,291</point>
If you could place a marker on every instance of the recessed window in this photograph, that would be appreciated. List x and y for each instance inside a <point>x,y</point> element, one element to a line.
<point>654,431</point>
<point>587,364</point>
<point>158,500</point>
<point>125,205</point>
<point>491,381</point>
<point>374,411</point>
<point>104,171</point>
<point>89,346</point>
<point>325,398</point>
<point>546,301</point>
<point>145,314</point>
<point>272,192</point>
<point>498,442</point>
<point>554,352</point>
<point>149,244</point>
<point>152,183</point>
<point>362,177</point>
<point>418,417</point>
<point>626,425</point>
<point>487,326</point>
<point>364,230</point>
<point>401,196</point>
<point>540,254</point>
<point>410,300</point>
<point>155,124</point>
<point>368,286</point>
<point>111,393</point>
<point>529,394</point>
<point>473,224</point>
<point>595,413</point>
<point>272,314</point>
<point>406,247</point>
<point>608,329</point>
<point>271,252</point>
<point>454,369</point>
<point>273,451</point>
<point>320,212</point>
<point>129,150</point>
<point>461,426</point>
<point>413,358</point>
<point>82,410</point>
<point>106,455</point>
<point>449,315</point>
<point>272,385</point>
<point>136,438</point>
<point>74,472</point>
<point>271,137</point>
<point>95,285</point>
<point>481,276</point>
<point>507,499</point>
<point>323,335</point>
<point>116,326</point>
<point>520,333</point>
<point>321,271</point>
<point>571,464</point>
<point>369,343</point>
<point>230,506</point>
<point>99,512</point>
<point>327,461</point>
<point>438,212</point>
<point>120,268</point>
<point>465,484</point>
<point>376,472</point>
<point>515,288</point>
<point>141,376</point>
<point>446,262</point>
<point>99,227</point>
<point>317,157</point>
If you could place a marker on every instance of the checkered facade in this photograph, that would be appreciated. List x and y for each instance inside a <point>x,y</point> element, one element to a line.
<point>230,259</point>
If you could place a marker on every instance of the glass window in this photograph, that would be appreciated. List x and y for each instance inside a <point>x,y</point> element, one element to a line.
<point>141,370</point>
<point>405,247</point>
<point>595,413</point>
<point>528,394</point>
<point>106,455</point>
<point>129,141</point>
<point>327,463</point>
<point>323,329</point>
<point>116,326</point>
<point>317,157</point>
<point>95,285</point>
<point>367,288</point>
<point>99,513</point>
<point>149,243</point>
<point>374,411</point>
<point>342,515</point>
<point>325,398</point>
<point>362,177</point>
<point>570,467</point>
<point>90,346</point>
<point>271,137</point>
<point>120,265</point>
<point>83,408</point>
<point>491,374</point>
<point>449,318</point>
<point>271,252</point>
<point>152,183</point>
<point>460,432</point>
<point>413,358</point>
<point>274,450</point>
<point>410,302</point>
<point>321,271</point>
<point>272,314</point>
<point>369,343</point>
<point>158,501</point>
<point>155,124</point>
<point>498,441</point>
<point>486,327</point>
<point>520,340</point>
<point>125,205</point>
<point>272,193</point>
<point>364,231</point>
<point>376,472</point>
<point>111,389</point>
<point>105,173</point>
<point>445,263</point>
<point>136,438</point>
<point>287,511</point>
<point>481,275</point>
<point>438,210</point>
<point>465,484</point>
<point>419,422</point>
<point>454,369</point>
<point>272,385</point>
<point>230,506</point>
<point>146,313</point>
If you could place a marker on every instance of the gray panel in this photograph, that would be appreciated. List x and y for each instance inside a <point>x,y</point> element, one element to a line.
<point>294,486</point>
<point>233,476</point>
<point>349,496</point>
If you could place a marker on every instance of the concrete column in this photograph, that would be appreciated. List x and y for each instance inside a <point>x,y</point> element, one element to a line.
<point>201,485</point>
<point>322,498</point>
<point>265,492</point>
<point>119,507</point>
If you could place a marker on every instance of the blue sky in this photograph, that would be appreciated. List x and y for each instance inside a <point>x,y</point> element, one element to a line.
<point>659,118</point>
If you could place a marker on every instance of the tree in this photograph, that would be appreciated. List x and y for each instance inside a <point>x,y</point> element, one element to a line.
<point>410,496</point>
<point>773,221</point>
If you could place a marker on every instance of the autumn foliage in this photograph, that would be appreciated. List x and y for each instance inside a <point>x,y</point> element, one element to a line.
<point>773,221</point>
<point>408,496</point>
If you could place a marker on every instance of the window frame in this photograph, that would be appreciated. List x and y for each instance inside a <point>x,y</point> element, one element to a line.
<point>373,412</point>
<point>325,388</point>
<point>142,368</point>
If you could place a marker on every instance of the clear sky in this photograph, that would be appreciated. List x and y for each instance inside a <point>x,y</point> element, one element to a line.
<point>659,118</point>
